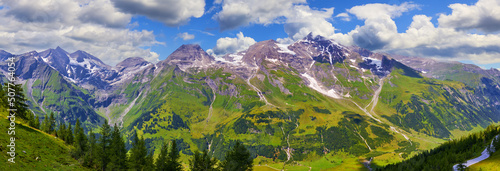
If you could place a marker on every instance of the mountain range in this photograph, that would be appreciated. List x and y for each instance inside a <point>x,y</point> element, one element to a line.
<point>306,102</point>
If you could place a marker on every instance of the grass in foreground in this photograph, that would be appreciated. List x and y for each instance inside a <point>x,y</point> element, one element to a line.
<point>35,150</point>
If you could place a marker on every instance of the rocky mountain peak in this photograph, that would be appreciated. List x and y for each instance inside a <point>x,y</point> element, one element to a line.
<point>80,56</point>
<point>328,51</point>
<point>131,63</point>
<point>261,50</point>
<point>189,52</point>
<point>4,55</point>
<point>187,56</point>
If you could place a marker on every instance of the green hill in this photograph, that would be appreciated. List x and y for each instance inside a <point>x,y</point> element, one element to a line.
<point>35,150</point>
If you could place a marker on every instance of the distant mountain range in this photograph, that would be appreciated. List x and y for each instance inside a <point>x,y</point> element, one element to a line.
<point>293,102</point>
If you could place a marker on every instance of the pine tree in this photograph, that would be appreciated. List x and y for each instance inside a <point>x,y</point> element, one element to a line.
<point>69,135</point>
<point>61,131</point>
<point>173,158</point>
<point>202,162</point>
<point>80,140</point>
<point>20,102</point>
<point>89,159</point>
<point>149,162</point>
<point>138,153</point>
<point>3,97</point>
<point>118,155</point>
<point>37,122</point>
<point>238,159</point>
<point>51,123</point>
<point>45,125</point>
<point>161,161</point>
<point>104,145</point>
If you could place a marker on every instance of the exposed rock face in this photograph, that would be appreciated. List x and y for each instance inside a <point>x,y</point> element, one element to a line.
<point>4,55</point>
<point>189,56</point>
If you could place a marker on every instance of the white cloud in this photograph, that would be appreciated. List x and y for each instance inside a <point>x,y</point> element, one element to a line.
<point>185,36</point>
<point>343,16</point>
<point>484,16</point>
<point>94,26</point>
<point>236,13</point>
<point>303,20</point>
<point>104,13</point>
<point>231,45</point>
<point>421,38</point>
<point>170,12</point>
<point>379,29</point>
<point>298,18</point>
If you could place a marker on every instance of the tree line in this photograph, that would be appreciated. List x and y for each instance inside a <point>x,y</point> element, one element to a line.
<point>106,149</point>
<point>450,153</point>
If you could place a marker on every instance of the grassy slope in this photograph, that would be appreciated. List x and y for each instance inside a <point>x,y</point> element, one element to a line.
<point>52,153</point>
<point>170,94</point>
<point>225,114</point>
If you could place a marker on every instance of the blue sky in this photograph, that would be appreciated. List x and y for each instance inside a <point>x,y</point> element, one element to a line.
<point>113,30</point>
<point>261,32</point>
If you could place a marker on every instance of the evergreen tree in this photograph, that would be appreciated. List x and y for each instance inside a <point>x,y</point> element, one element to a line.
<point>173,158</point>
<point>51,123</point>
<point>161,161</point>
<point>202,162</point>
<point>496,143</point>
<point>138,153</point>
<point>45,124</point>
<point>238,159</point>
<point>19,103</point>
<point>61,131</point>
<point>91,154</point>
<point>104,145</point>
<point>80,140</point>
<point>69,135</point>
<point>37,122</point>
<point>3,97</point>
<point>149,162</point>
<point>118,155</point>
<point>461,166</point>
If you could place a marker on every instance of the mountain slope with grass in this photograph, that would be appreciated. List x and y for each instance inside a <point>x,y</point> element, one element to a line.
<point>35,150</point>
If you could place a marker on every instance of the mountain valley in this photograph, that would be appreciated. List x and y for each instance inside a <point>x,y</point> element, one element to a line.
<point>310,105</point>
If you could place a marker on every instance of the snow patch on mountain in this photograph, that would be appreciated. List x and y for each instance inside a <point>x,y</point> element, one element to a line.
<point>283,48</point>
<point>316,86</point>
<point>374,61</point>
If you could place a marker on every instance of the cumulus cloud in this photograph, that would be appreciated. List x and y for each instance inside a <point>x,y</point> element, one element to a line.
<point>298,18</point>
<point>303,20</point>
<point>484,16</point>
<point>170,12</point>
<point>185,36</point>
<point>95,26</point>
<point>232,44</point>
<point>236,13</point>
<point>104,13</point>
<point>379,29</point>
<point>422,38</point>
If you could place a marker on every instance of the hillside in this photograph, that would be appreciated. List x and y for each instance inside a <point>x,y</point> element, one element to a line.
<point>451,154</point>
<point>35,150</point>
